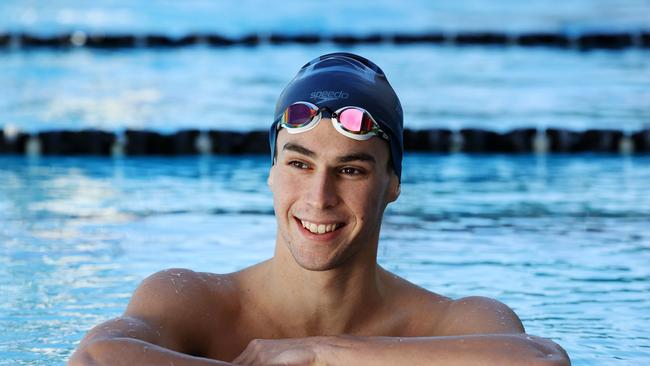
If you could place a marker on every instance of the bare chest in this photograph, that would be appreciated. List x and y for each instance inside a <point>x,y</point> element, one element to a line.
<point>230,338</point>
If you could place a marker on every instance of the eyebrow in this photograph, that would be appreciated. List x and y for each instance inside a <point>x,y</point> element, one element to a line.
<point>357,157</point>
<point>360,156</point>
<point>299,149</point>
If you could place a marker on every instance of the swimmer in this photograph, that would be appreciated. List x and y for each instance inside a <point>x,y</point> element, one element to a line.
<point>322,299</point>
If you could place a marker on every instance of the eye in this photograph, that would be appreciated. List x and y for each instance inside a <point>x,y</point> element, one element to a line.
<point>352,171</point>
<point>298,164</point>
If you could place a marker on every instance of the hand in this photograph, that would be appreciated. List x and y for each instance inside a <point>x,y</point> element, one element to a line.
<point>286,352</point>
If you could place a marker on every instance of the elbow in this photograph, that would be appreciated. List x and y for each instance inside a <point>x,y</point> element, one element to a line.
<point>94,353</point>
<point>561,358</point>
<point>82,357</point>
<point>550,353</point>
<point>79,358</point>
<point>552,360</point>
<point>538,351</point>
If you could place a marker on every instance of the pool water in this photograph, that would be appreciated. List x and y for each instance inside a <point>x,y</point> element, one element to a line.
<point>295,16</point>
<point>563,240</point>
<point>236,88</point>
<point>495,88</point>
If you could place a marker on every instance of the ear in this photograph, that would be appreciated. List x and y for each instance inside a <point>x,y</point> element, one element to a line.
<point>395,188</point>
<point>269,179</point>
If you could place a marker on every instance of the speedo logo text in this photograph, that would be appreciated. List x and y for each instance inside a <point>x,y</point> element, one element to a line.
<point>327,95</point>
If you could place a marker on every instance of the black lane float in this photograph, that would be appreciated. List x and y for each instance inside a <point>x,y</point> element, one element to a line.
<point>194,141</point>
<point>583,41</point>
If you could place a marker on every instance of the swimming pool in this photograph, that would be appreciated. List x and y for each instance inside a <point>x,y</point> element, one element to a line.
<point>563,240</point>
<point>165,16</point>
<point>199,87</point>
<point>495,88</point>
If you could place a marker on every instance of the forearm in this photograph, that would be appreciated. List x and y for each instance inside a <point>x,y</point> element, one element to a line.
<point>487,349</point>
<point>129,351</point>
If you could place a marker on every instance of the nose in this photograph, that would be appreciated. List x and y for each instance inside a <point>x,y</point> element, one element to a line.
<point>321,192</point>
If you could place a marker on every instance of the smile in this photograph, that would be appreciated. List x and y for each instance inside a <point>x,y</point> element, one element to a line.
<point>319,229</point>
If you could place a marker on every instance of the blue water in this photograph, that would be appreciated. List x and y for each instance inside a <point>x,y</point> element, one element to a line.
<point>236,88</point>
<point>440,86</point>
<point>562,240</point>
<point>291,16</point>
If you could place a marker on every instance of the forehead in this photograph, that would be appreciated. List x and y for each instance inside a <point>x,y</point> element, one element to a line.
<point>328,143</point>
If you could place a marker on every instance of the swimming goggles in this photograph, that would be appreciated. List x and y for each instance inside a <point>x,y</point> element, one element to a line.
<point>353,122</point>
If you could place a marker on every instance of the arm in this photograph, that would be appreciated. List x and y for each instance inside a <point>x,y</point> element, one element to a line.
<point>473,331</point>
<point>130,341</point>
<point>159,326</point>
<point>475,349</point>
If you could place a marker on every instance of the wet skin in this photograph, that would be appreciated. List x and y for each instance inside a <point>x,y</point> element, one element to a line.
<point>322,298</point>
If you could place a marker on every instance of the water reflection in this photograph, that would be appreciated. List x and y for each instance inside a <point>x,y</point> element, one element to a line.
<point>563,240</point>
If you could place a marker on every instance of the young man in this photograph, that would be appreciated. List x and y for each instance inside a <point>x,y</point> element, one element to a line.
<point>322,299</point>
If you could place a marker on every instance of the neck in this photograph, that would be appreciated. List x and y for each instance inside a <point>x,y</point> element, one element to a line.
<point>334,301</point>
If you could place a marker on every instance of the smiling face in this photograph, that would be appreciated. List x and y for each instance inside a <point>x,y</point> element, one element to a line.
<point>329,194</point>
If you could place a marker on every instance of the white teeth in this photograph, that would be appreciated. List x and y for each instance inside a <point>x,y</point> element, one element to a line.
<point>318,228</point>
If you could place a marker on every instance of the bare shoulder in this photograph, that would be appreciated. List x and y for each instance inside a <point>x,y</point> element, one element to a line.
<point>182,302</point>
<point>417,308</point>
<point>479,315</point>
<point>435,314</point>
<point>414,294</point>
<point>175,289</point>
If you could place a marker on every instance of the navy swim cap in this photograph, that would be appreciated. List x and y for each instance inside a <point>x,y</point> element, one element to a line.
<point>343,79</point>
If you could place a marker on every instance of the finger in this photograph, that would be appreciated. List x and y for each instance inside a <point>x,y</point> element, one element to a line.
<point>243,358</point>
<point>295,357</point>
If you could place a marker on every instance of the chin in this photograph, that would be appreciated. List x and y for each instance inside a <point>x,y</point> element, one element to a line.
<point>310,263</point>
<point>314,265</point>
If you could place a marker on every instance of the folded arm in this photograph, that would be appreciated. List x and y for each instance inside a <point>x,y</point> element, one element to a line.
<point>130,341</point>
<point>474,331</point>
<point>475,349</point>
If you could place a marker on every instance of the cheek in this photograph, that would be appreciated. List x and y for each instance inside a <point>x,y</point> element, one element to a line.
<point>284,189</point>
<point>368,207</point>
<point>276,180</point>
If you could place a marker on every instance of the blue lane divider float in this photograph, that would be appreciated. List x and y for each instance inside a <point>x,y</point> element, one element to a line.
<point>584,41</point>
<point>191,142</point>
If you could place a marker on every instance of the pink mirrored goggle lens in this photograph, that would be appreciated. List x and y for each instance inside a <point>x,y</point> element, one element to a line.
<point>355,120</point>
